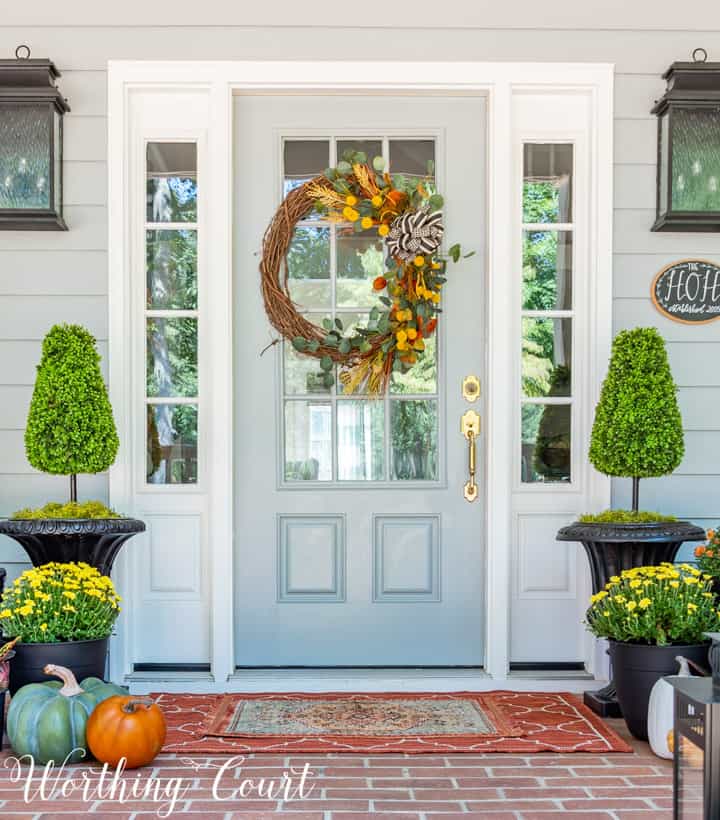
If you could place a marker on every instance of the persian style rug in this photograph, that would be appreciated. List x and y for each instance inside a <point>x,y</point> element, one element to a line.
<point>413,723</point>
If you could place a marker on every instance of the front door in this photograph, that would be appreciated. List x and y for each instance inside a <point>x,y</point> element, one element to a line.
<point>354,544</point>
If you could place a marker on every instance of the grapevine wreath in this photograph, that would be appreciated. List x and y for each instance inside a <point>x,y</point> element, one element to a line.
<point>405,212</point>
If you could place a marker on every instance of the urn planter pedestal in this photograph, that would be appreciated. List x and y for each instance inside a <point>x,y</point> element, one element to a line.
<point>96,541</point>
<point>612,548</point>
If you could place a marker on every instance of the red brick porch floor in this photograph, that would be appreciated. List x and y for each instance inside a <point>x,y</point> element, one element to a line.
<point>395,787</point>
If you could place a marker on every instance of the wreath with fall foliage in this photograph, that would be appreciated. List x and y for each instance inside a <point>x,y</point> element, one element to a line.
<point>406,213</point>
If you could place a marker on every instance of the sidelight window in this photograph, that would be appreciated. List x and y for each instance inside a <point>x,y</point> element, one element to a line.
<point>171,313</point>
<point>547,313</point>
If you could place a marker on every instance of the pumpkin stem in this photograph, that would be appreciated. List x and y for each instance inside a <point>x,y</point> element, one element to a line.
<point>131,705</point>
<point>70,685</point>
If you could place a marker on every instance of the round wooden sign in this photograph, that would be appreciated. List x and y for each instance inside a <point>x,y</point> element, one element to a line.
<point>688,291</point>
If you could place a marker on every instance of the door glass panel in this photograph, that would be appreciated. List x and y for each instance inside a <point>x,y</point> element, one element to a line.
<point>413,436</point>
<point>415,158</point>
<point>308,441</point>
<point>172,431</point>
<point>304,160</point>
<point>546,451</point>
<point>422,377</point>
<point>547,182</point>
<point>360,440</point>
<point>172,182</point>
<point>171,270</point>
<point>547,270</point>
<point>172,346</point>
<point>371,148</point>
<point>546,357</point>
<point>331,436</point>
<point>308,261</point>
<point>360,259</point>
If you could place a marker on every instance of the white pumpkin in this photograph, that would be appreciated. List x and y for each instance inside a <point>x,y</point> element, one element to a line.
<point>660,712</point>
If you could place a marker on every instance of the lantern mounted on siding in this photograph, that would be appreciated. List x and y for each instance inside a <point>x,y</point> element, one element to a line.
<point>688,170</point>
<point>31,128</point>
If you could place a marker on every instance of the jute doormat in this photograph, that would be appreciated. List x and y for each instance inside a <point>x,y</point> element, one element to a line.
<point>414,723</point>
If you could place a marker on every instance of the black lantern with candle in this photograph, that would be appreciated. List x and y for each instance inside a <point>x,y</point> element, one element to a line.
<point>696,743</point>
<point>31,135</point>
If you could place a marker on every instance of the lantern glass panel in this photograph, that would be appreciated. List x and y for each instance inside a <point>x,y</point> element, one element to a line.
<point>696,159</point>
<point>664,154</point>
<point>25,163</point>
<point>57,165</point>
<point>690,780</point>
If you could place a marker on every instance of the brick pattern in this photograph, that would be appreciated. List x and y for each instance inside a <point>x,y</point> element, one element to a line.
<point>388,787</point>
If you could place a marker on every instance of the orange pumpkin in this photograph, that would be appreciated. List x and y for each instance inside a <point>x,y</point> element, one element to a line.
<point>125,726</point>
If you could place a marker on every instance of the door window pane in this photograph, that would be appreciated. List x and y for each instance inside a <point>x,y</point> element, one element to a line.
<point>414,158</point>
<point>308,261</point>
<point>308,441</point>
<point>172,182</point>
<point>413,436</point>
<point>360,440</point>
<point>304,160</point>
<point>302,374</point>
<point>172,346</point>
<point>360,259</point>
<point>547,270</point>
<point>371,148</point>
<point>171,270</point>
<point>422,377</point>
<point>171,434</point>
<point>546,451</point>
<point>547,182</point>
<point>546,357</point>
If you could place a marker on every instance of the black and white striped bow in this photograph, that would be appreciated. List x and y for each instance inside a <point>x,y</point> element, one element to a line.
<point>419,232</point>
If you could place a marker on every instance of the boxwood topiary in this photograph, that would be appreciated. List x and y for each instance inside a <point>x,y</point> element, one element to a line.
<point>70,426</point>
<point>638,428</point>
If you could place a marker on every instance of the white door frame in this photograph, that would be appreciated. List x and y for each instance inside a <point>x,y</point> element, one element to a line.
<point>218,82</point>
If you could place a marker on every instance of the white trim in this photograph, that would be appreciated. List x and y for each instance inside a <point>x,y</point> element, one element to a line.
<point>219,80</point>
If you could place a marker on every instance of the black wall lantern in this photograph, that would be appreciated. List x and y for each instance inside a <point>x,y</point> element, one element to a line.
<point>31,129</point>
<point>688,171</point>
<point>696,742</point>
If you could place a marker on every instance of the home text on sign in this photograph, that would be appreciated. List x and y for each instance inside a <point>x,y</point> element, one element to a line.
<point>688,291</point>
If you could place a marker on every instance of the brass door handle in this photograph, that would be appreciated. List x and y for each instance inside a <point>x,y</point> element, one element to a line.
<point>470,428</point>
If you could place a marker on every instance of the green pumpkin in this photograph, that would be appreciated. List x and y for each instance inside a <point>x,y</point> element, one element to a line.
<point>47,720</point>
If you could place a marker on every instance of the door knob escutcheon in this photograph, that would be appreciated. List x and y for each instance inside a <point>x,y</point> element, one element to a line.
<point>470,428</point>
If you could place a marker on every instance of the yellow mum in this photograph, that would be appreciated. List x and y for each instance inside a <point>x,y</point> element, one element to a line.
<point>635,583</point>
<point>631,605</point>
<point>644,603</point>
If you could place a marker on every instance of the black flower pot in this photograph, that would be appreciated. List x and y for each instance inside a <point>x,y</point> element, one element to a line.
<point>638,667</point>
<point>96,541</point>
<point>85,659</point>
<point>612,548</point>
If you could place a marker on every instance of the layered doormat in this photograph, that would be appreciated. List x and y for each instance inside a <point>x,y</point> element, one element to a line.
<point>413,723</point>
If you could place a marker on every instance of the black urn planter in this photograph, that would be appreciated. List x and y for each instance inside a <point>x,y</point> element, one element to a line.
<point>85,659</point>
<point>96,541</point>
<point>638,667</point>
<point>612,548</point>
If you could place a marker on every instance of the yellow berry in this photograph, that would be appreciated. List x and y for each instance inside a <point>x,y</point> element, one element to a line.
<point>351,200</point>
<point>384,230</point>
<point>376,200</point>
<point>411,333</point>
<point>419,261</point>
<point>366,222</point>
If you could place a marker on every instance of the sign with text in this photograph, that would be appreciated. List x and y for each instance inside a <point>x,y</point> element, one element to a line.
<point>688,291</point>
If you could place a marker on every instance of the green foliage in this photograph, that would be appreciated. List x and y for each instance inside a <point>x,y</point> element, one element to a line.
<point>625,517</point>
<point>638,428</point>
<point>73,509</point>
<point>70,427</point>
<point>656,606</point>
